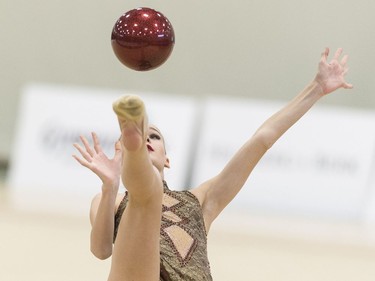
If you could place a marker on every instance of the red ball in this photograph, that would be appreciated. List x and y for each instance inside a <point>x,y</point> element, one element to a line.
<point>142,39</point>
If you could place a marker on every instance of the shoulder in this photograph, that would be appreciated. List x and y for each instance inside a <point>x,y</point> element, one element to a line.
<point>119,198</point>
<point>200,192</point>
<point>210,195</point>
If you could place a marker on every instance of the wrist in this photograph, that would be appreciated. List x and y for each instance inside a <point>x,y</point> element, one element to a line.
<point>110,187</point>
<point>318,87</point>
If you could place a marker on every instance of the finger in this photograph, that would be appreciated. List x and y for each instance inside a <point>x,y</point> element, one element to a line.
<point>97,145</point>
<point>324,55</point>
<point>347,86</point>
<point>118,151</point>
<point>83,152</point>
<point>87,145</point>
<point>81,161</point>
<point>118,146</point>
<point>337,54</point>
<point>344,60</point>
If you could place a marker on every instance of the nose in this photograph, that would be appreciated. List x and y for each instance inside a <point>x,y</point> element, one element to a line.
<point>148,139</point>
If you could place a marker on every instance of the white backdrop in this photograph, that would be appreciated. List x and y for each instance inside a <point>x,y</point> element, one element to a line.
<point>322,167</point>
<point>43,175</point>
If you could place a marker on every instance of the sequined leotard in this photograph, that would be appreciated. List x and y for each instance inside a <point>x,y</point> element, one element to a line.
<point>183,238</point>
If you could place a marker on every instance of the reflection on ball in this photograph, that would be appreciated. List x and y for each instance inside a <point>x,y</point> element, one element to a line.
<point>142,39</point>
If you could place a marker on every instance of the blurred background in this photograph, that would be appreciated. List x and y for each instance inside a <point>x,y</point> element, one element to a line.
<point>307,213</point>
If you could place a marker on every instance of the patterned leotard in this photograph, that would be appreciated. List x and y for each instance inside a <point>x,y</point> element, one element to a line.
<point>183,238</point>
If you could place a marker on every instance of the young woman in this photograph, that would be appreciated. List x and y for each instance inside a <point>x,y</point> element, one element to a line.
<point>153,233</point>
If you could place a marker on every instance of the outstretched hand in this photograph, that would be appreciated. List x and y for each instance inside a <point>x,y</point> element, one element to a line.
<point>108,170</point>
<point>331,74</point>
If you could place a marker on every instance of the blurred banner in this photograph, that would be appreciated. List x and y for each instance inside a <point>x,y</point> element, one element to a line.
<point>43,176</point>
<point>322,167</point>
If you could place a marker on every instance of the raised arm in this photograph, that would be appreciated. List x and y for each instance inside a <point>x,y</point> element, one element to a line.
<point>216,193</point>
<point>103,206</point>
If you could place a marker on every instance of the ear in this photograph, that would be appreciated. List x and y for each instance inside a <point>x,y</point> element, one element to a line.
<point>167,164</point>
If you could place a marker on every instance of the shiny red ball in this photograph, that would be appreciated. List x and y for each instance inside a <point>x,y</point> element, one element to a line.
<point>142,39</point>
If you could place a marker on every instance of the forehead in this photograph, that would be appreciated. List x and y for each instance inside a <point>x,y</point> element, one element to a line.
<point>155,129</point>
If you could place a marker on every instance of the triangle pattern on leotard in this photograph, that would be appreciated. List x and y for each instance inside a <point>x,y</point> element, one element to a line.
<point>177,235</point>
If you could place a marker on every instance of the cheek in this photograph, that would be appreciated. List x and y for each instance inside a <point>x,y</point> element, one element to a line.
<point>160,146</point>
<point>162,151</point>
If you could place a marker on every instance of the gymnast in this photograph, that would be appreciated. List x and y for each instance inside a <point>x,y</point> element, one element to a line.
<point>154,233</point>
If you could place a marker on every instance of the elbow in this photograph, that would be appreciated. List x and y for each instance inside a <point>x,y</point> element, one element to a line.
<point>265,138</point>
<point>101,254</point>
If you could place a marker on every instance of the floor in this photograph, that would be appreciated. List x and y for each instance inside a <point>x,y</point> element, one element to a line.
<point>43,247</point>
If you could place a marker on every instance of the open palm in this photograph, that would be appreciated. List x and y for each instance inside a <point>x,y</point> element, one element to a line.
<point>93,158</point>
<point>331,75</point>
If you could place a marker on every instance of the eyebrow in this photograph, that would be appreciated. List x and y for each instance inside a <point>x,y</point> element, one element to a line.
<point>150,128</point>
<point>156,130</point>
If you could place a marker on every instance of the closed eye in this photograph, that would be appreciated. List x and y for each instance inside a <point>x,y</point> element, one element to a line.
<point>155,137</point>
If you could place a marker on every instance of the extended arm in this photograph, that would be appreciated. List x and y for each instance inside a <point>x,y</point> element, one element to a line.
<point>216,193</point>
<point>103,206</point>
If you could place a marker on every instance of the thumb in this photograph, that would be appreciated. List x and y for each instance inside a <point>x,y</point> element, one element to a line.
<point>348,86</point>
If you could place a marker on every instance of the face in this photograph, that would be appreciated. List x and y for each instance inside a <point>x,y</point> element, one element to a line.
<point>156,148</point>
